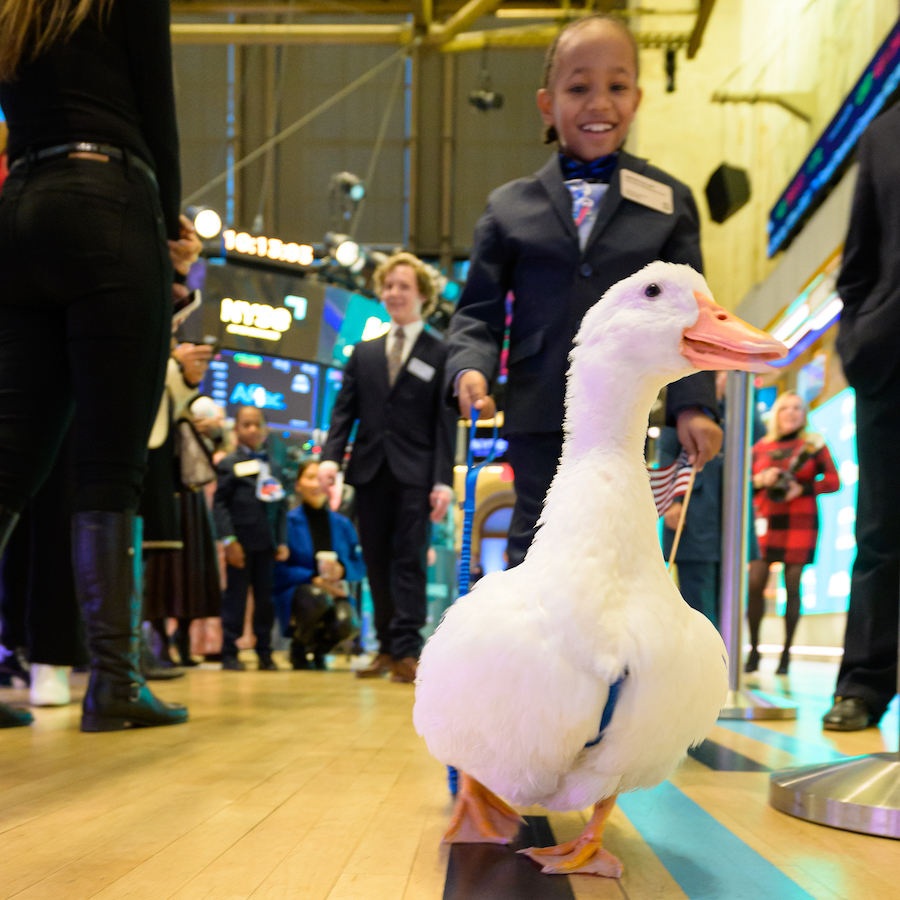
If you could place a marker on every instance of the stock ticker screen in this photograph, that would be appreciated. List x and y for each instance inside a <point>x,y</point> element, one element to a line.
<point>285,390</point>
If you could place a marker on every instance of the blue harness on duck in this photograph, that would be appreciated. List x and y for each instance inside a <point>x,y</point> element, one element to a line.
<point>609,709</point>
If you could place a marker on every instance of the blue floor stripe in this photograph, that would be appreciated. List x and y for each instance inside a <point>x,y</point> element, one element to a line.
<point>701,854</point>
<point>804,751</point>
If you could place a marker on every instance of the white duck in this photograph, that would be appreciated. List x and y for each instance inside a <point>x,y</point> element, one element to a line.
<point>512,686</point>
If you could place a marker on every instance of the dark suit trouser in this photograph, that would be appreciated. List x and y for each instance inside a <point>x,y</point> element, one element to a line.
<point>258,573</point>
<point>534,459</point>
<point>869,667</point>
<point>393,531</point>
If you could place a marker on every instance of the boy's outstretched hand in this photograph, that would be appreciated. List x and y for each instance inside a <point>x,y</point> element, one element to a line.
<point>699,435</point>
<point>473,391</point>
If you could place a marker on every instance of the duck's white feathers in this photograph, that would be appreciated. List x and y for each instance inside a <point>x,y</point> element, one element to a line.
<point>513,683</point>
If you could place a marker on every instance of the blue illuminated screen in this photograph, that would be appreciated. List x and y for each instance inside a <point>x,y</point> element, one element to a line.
<point>811,184</point>
<point>284,389</point>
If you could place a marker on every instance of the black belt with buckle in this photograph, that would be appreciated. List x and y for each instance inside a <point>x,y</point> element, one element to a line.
<point>122,156</point>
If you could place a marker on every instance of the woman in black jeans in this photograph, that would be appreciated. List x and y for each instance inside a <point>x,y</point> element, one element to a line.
<point>86,277</point>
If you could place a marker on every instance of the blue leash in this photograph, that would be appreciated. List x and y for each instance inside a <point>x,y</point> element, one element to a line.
<point>472,472</point>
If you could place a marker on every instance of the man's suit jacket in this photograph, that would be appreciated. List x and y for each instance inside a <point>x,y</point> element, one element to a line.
<point>238,511</point>
<point>526,242</point>
<point>407,424</point>
<point>869,282</point>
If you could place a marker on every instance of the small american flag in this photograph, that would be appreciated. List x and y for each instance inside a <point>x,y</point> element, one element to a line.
<point>670,483</point>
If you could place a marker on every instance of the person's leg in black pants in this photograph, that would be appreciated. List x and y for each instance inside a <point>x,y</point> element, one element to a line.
<point>534,459</point>
<point>234,606</point>
<point>408,572</point>
<point>869,667</point>
<point>698,583</point>
<point>85,291</point>
<point>376,508</point>
<point>262,573</point>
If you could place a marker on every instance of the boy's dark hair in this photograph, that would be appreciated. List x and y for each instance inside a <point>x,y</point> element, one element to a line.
<point>551,135</point>
<point>255,409</point>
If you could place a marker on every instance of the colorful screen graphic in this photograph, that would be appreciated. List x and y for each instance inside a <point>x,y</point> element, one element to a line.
<point>826,584</point>
<point>285,390</point>
<point>831,152</point>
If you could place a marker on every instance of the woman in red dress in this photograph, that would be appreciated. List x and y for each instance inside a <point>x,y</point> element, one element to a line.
<point>791,467</point>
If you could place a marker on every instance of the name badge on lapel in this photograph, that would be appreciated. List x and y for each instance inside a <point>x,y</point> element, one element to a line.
<point>646,191</point>
<point>420,369</point>
<point>247,467</point>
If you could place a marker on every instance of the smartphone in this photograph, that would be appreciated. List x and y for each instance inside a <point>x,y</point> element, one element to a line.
<point>185,306</point>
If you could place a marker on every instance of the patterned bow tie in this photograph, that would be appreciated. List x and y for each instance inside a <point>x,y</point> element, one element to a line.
<point>595,170</point>
<point>256,454</point>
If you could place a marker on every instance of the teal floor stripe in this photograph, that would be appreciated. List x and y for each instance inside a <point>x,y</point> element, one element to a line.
<point>702,855</point>
<point>804,751</point>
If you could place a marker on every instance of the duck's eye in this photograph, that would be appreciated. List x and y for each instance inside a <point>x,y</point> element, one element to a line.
<point>652,290</point>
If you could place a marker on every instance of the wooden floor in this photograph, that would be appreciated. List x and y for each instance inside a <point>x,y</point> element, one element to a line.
<point>314,786</point>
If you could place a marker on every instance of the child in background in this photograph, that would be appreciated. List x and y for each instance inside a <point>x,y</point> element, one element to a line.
<point>250,513</point>
<point>558,240</point>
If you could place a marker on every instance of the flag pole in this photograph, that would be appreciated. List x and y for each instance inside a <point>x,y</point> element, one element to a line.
<point>681,518</point>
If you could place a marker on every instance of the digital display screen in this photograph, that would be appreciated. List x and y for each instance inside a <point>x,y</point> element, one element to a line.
<point>284,389</point>
<point>826,583</point>
<point>825,162</point>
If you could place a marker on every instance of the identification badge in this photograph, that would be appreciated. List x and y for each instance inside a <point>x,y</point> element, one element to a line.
<point>247,467</point>
<point>268,488</point>
<point>420,369</point>
<point>646,191</point>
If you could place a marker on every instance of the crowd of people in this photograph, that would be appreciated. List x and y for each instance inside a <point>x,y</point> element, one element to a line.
<point>94,254</point>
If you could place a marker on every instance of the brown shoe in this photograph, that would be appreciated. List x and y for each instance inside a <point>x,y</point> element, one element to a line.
<point>403,671</point>
<point>376,668</point>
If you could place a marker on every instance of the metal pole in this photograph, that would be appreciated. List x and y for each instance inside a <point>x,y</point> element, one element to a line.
<point>740,704</point>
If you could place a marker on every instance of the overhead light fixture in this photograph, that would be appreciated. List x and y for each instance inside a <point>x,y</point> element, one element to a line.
<point>207,222</point>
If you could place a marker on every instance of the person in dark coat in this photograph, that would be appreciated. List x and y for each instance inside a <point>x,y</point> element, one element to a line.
<point>402,459</point>
<point>250,512</point>
<point>869,285</point>
<point>558,239</point>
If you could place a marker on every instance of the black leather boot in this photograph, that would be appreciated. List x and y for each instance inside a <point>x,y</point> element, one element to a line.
<point>183,643</point>
<point>103,557</point>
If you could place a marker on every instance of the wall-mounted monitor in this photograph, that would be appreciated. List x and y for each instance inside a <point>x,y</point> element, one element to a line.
<point>285,390</point>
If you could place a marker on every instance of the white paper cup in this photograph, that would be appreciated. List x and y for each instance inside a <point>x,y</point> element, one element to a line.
<point>323,557</point>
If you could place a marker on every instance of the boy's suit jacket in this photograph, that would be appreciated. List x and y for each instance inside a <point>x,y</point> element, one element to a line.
<point>238,511</point>
<point>526,242</point>
<point>407,424</point>
<point>869,281</point>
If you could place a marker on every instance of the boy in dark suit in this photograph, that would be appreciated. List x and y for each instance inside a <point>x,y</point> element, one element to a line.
<point>558,240</point>
<point>402,460</point>
<point>250,512</point>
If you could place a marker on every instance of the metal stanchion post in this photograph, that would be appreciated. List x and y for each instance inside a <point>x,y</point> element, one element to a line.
<point>740,704</point>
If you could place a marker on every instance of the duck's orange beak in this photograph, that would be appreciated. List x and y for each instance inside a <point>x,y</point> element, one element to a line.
<point>720,340</point>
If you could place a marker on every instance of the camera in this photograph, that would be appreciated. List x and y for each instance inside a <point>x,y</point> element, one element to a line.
<point>778,491</point>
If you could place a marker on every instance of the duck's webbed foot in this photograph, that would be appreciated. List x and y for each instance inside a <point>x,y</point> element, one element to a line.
<point>585,854</point>
<point>481,817</point>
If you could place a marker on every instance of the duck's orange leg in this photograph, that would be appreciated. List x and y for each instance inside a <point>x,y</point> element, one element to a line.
<point>585,854</point>
<point>481,817</point>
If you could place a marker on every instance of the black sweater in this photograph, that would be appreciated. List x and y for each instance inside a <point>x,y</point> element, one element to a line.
<point>112,84</point>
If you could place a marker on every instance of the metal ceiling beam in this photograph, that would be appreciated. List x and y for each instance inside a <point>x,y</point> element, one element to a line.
<point>542,35</point>
<point>703,14</point>
<point>423,14</point>
<point>184,33</point>
<point>462,19</point>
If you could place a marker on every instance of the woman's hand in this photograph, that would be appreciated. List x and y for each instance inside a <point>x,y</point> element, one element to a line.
<point>186,250</point>
<point>795,489</point>
<point>194,361</point>
<point>332,588</point>
<point>331,570</point>
<point>283,553</point>
<point>767,477</point>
